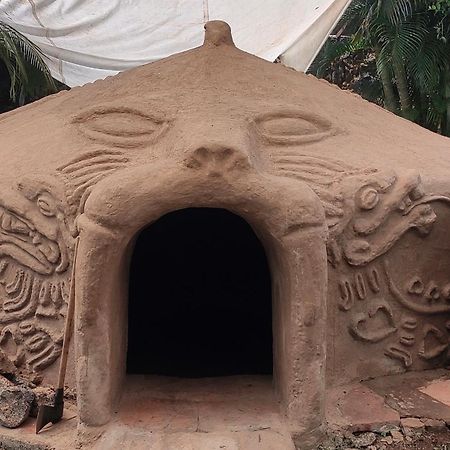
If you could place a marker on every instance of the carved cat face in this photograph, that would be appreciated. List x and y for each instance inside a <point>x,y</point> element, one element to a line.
<point>367,210</point>
<point>34,232</point>
<point>380,208</point>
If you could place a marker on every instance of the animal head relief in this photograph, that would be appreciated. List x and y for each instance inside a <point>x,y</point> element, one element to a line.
<point>234,218</point>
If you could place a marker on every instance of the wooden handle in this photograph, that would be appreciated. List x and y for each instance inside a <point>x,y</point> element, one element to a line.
<point>69,322</point>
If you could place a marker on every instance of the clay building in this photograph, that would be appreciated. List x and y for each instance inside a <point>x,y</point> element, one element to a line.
<point>235,218</point>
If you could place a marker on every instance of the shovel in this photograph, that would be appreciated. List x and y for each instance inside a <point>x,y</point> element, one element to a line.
<point>53,414</point>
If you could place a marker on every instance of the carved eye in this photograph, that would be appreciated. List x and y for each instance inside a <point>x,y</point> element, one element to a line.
<point>295,128</point>
<point>46,204</point>
<point>122,127</point>
<point>367,198</point>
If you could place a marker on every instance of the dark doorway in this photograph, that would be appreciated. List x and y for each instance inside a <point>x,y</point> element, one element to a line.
<point>199,297</point>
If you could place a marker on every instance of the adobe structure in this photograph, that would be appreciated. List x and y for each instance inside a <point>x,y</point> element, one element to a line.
<point>349,202</point>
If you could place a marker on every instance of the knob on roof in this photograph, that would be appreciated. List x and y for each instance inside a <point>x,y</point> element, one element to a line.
<point>218,32</point>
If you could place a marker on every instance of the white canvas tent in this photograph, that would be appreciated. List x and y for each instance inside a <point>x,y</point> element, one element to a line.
<point>90,39</point>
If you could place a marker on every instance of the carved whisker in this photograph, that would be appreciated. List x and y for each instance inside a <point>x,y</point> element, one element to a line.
<point>97,162</point>
<point>92,157</point>
<point>84,171</point>
<point>319,164</point>
<point>300,166</point>
<point>82,201</point>
<point>77,193</point>
<point>311,177</point>
<point>329,164</point>
<point>304,177</point>
<point>88,179</point>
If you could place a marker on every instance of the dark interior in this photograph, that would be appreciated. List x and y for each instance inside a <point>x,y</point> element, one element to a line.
<point>199,297</point>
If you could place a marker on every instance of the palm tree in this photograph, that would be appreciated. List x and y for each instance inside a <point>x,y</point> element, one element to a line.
<point>410,40</point>
<point>23,63</point>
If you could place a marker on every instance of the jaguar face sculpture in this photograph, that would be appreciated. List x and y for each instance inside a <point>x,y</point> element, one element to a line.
<point>349,201</point>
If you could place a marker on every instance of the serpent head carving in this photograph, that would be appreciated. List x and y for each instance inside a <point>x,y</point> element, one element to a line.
<point>34,232</point>
<point>382,207</point>
<point>367,210</point>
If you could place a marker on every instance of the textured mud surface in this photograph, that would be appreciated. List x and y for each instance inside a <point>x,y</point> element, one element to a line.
<point>350,202</point>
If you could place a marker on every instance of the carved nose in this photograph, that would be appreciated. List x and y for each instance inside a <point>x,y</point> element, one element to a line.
<point>217,159</point>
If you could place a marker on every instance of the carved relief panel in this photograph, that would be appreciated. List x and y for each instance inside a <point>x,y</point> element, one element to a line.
<point>37,235</point>
<point>388,292</point>
<point>388,298</point>
<point>389,288</point>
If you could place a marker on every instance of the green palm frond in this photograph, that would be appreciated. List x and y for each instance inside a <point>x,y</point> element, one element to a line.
<point>410,40</point>
<point>28,72</point>
<point>428,64</point>
<point>407,40</point>
<point>355,14</point>
<point>395,11</point>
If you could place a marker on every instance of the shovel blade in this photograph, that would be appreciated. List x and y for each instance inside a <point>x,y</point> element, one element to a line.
<point>50,414</point>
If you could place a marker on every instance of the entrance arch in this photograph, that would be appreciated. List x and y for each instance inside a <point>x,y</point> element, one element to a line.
<point>289,221</point>
<point>199,297</point>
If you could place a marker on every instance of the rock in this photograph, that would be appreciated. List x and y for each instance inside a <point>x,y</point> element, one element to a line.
<point>410,431</point>
<point>5,363</point>
<point>363,439</point>
<point>411,422</point>
<point>434,424</point>
<point>411,426</point>
<point>386,429</point>
<point>42,396</point>
<point>332,441</point>
<point>360,409</point>
<point>397,436</point>
<point>15,403</point>
<point>387,439</point>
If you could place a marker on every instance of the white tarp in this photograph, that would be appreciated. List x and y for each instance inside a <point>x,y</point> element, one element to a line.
<point>90,39</point>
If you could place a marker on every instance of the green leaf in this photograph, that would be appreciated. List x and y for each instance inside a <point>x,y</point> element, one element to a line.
<point>29,75</point>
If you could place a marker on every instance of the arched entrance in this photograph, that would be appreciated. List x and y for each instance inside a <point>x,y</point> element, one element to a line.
<point>199,297</point>
<point>289,220</point>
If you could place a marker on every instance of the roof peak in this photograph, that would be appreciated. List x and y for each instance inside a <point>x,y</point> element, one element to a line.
<point>217,33</point>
